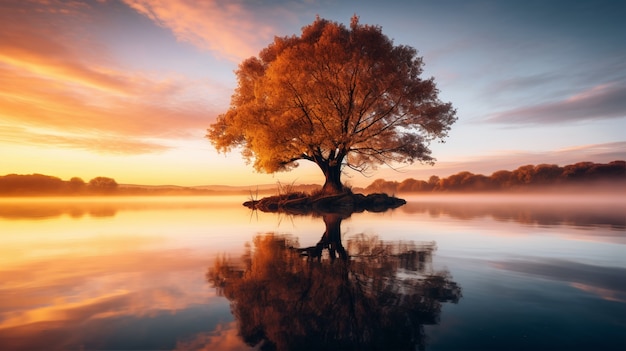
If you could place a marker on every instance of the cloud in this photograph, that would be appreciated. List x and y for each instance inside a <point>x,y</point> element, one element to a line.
<point>602,101</point>
<point>106,144</point>
<point>229,28</point>
<point>512,159</point>
<point>63,88</point>
<point>125,102</point>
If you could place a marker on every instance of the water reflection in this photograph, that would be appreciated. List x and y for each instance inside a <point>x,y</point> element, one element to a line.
<point>36,208</point>
<point>136,279</point>
<point>534,210</point>
<point>606,282</point>
<point>528,210</point>
<point>32,210</point>
<point>379,295</point>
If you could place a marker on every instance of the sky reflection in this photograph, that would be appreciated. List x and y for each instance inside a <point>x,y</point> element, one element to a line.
<point>136,279</point>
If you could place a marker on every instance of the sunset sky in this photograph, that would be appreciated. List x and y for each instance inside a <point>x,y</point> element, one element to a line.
<point>127,88</point>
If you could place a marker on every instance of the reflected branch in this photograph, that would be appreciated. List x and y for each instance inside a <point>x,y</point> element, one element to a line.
<point>378,297</point>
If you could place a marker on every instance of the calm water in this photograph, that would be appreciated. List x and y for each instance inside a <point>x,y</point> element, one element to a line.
<point>207,274</point>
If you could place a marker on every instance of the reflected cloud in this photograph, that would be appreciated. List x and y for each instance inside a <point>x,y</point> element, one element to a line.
<point>608,283</point>
<point>224,338</point>
<point>46,303</point>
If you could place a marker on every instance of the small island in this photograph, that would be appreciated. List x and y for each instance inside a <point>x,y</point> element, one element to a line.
<point>343,203</point>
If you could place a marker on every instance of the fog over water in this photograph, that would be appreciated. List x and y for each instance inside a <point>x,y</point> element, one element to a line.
<point>522,271</point>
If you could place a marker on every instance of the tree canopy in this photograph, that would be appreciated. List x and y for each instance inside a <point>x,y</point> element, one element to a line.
<point>335,96</point>
<point>379,300</point>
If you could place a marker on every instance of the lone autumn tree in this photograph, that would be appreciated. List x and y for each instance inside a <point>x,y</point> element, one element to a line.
<point>336,96</point>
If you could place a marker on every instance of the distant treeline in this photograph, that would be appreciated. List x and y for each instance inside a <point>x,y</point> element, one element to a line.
<point>524,177</point>
<point>39,184</point>
<point>45,185</point>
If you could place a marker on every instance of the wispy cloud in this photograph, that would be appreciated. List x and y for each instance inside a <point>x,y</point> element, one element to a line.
<point>66,90</point>
<point>602,101</point>
<point>512,159</point>
<point>231,29</point>
<point>105,144</point>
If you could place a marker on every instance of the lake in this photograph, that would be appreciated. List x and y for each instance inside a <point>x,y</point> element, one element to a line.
<point>206,273</point>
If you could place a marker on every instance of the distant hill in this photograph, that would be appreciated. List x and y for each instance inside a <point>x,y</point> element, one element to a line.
<point>521,179</point>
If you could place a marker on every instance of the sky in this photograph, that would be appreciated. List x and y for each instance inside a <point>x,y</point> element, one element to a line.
<point>127,88</point>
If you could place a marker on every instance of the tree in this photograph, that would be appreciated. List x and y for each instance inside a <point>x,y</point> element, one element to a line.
<point>378,298</point>
<point>414,185</point>
<point>501,179</point>
<point>335,96</point>
<point>103,185</point>
<point>76,185</point>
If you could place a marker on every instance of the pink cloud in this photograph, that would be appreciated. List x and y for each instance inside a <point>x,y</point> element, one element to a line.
<point>62,88</point>
<point>599,102</point>
<point>226,27</point>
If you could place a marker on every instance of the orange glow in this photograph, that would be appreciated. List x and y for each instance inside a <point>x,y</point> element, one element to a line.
<point>127,89</point>
<point>67,261</point>
<point>225,338</point>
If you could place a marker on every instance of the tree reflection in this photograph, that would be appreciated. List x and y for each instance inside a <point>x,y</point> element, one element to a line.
<point>285,297</point>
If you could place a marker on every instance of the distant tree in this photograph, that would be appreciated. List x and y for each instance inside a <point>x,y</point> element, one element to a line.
<point>546,174</point>
<point>336,96</point>
<point>30,184</point>
<point>413,185</point>
<point>103,185</point>
<point>501,179</point>
<point>477,182</point>
<point>382,186</point>
<point>76,185</point>
<point>611,171</point>
<point>456,181</point>
<point>433,181</point>
<point>576,172</point>
<point>523,175</point>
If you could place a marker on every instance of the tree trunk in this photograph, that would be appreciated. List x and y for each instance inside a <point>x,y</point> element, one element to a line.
<point>332,237</point>
<point>332,185</point>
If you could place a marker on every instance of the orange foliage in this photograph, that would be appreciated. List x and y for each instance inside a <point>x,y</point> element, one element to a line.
<point>335,96</point>
<point>524,176</point>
